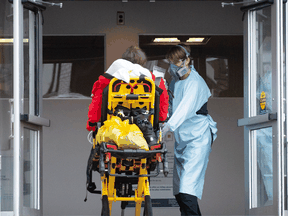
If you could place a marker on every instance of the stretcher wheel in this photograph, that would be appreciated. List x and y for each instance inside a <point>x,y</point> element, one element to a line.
<point>105,206</point>
<point>148,206</point>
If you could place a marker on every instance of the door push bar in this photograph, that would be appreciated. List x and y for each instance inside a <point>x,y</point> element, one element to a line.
<point>257,119</point>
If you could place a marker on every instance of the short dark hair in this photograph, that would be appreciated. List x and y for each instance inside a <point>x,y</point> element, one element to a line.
<point>176,53</point>
<point>135,55</point>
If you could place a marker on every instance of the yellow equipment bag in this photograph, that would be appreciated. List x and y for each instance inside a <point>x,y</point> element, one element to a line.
<point>125,135</point>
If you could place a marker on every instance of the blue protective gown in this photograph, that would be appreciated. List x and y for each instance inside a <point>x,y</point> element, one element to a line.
<point>192,133</point>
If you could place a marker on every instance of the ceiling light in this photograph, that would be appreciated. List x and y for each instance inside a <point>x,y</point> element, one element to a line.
<point>166,40</point>
<point>3,40</point>
<point>195,40</point>
<point>10,40</point>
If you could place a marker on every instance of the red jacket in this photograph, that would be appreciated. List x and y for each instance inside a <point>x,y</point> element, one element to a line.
<point>94,113</point>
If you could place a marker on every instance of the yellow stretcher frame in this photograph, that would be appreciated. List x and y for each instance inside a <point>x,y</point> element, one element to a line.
<point>115,97</point>
<point>140,193</point>
<point>127,95</point>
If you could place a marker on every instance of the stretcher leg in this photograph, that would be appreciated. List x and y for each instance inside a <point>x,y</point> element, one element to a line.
<point>143,187</point>
<point>105,203</point>
<point>111,184</point>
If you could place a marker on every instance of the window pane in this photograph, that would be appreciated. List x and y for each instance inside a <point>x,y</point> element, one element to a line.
<point>26,59</point>
<point>6,186</point>
<point>284,104</point>
<point>30,171</point>
<point>6,92</point>
<point>217,72</point>
<point>71,65</point>
<point>6,50</point>
<point>219,61</point>
<point>262,167</point>
<point>263,58</point>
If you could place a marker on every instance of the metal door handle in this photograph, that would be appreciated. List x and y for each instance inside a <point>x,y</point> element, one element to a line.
<point>257,119</point>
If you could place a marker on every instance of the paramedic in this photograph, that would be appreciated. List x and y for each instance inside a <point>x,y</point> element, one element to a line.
<point>135,58</point>
<point>193,128</point>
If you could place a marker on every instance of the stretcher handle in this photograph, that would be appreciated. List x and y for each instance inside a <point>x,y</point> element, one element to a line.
<point>132,87</point>
<point>132,97</point>
<point>135,155</point>
<point>133,152</point>
<point>91,187</point>
<point>165,165</point>
<point>135,176</point>
<point>101,164</point>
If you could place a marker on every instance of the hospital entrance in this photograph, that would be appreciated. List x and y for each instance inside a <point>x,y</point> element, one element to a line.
<point>52,52</point>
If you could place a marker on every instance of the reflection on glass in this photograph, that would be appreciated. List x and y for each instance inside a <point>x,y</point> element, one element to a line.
<point>59,77</point>
<point>264,71</point>
<point>30,170</point>
<point>217,72</point>
<point>160,68</point>
<point>6,183</point>
<point>219,62</point>
<point>26,61</point>
<point>71,65</point>
<point>284,105</point>
<point>6,157</point>
<point>6,71</point>
<point>6,92</point>
<point>262,176</point>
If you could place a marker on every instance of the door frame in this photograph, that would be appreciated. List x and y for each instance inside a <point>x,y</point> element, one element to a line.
<point>276,119</point>
<point>19,118</point>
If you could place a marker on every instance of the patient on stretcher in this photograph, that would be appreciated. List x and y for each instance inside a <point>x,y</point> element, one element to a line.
<point>131,64</point>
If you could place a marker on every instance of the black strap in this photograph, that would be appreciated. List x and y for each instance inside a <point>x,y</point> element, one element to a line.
<point>211,137</point>
<point>126,112</point>
<point>159,90</point>
<point>108,76</point>
<point>109,111</point>
<point>156,111</point>
<point>133,111</point>
<point>203,110</point>
<point>104,109</point>
<point>169,91</point>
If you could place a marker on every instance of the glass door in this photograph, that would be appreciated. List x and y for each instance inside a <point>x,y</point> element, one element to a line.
<point>26,111</point>
<point>264,108</point>
<point>285,106</point>
<point>31,169</point>
<point>6,95</point>
<point>31,121</point>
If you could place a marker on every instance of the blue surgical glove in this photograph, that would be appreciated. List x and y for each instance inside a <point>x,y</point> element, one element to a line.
<point>165,129</point>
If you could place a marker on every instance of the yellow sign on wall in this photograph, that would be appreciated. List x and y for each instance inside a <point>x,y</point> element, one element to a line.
<point>263,100</point>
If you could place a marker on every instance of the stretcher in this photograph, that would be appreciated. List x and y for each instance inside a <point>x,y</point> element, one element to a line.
<point>125,173</point>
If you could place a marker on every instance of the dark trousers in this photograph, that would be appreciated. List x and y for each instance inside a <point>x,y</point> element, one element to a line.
<point>188,204</point>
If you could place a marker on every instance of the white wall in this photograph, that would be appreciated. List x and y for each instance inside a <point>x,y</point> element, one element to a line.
<point>66,149</point>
